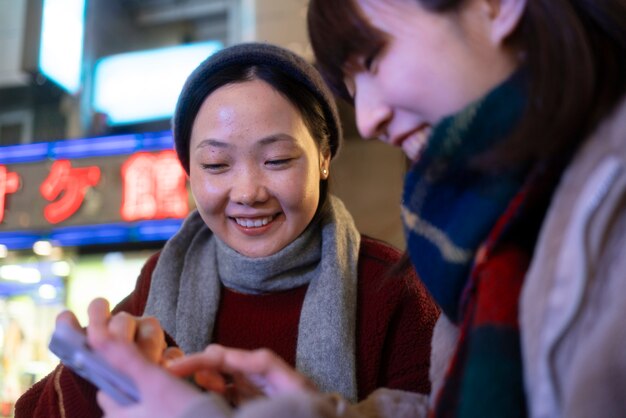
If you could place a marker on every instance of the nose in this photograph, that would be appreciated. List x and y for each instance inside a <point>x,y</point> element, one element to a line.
<point>249,188</point>
<point>373,115</point>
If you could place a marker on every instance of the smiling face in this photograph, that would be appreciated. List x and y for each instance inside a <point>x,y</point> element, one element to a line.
<point>432,65</point>
<point>255,169</point>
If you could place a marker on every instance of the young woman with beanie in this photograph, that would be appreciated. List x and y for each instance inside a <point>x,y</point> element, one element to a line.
<point>269,259</point>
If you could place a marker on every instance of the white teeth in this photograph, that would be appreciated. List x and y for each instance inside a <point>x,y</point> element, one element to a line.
<point>253,223</point>
<point>414,145</point>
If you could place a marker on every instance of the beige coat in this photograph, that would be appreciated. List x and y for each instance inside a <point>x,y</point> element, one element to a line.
<point>573,307</point>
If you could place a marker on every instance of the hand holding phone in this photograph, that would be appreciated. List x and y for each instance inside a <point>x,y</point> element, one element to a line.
<point>70,345</point>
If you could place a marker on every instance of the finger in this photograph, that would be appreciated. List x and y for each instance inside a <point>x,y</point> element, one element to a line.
<point>246,388</point>
<point>68,318</point>
<point>99,314</point>
<point>123,326</point>
<point>211,381</point>
<point>262,368</point>
<point>210,359</point>
<point>265,370</point>
<point>150,338</point>
<point>172,353</point>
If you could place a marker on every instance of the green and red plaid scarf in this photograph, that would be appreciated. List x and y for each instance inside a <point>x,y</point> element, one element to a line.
<point>485,376</point>
<point>470,235</point>
<point>448,208</point>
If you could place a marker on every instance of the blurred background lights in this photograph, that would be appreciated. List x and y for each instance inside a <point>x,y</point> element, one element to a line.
<point>20,274</point>
<point>61,268</point>
<point>143,86</point>
<point>42,248</point>
<point>4,251</point>
<point>47,291</point>
<point>61,48</point>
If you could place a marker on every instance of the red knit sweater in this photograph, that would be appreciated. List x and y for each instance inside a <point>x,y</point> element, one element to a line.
<point>395,318</point>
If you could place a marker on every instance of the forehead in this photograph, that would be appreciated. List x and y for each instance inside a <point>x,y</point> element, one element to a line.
<point>391,16</point>
<point>247,102</point>
<point>251,111</point>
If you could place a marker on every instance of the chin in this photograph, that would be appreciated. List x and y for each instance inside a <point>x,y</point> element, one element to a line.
<point>257,251</point>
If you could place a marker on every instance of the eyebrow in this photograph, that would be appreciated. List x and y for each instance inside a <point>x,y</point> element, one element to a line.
<point>270,139</point>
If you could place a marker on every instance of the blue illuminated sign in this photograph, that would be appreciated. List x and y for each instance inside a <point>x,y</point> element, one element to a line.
<point>145,85</point>
<point>61,46</point>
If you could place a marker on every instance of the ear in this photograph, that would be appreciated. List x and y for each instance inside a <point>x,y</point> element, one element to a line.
<point>505,15</point>
<point>324,165</point>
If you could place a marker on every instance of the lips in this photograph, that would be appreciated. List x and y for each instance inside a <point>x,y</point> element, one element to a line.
<point>254,226</point>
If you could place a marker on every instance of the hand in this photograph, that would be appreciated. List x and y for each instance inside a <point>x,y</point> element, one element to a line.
<point>241,375</point>
<point>161,394</point>
<point>145,332</point>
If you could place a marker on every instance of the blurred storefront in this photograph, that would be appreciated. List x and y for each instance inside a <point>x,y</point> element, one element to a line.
<point>33,290</point>
<point>77,221</point>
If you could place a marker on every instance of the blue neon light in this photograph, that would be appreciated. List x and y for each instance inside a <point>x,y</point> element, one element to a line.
<point>90,234</point>
<point>86,147</point>
<point>14,154</point>
<point>155,230</point>
<point>19,240</point>
<point>144,85</point>
<point>96,147</point>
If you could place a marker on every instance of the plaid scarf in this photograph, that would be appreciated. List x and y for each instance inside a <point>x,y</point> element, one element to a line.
<point>485,376</point>
<point>470,236</point>
<point>448,208</point>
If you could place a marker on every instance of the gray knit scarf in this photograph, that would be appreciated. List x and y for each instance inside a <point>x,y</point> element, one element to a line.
<point>185,290</point>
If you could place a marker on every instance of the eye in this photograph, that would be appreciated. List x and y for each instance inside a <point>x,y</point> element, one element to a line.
<point>370,61</point>
<point>214,168</point>
<point>348,82</point>
<point>280,162</point>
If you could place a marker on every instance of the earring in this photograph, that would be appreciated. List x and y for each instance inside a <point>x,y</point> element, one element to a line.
<point>324,172</point>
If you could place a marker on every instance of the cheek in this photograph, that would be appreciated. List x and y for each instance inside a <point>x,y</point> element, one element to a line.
<point>209,195</point>
<point>301,197</point>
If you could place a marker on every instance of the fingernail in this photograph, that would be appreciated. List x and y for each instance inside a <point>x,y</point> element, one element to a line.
<point>146,330</point>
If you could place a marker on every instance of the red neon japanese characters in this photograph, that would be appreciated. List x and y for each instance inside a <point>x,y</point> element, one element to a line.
<point>68,186</point>
<point>9,183</point>
<point>154,187</point>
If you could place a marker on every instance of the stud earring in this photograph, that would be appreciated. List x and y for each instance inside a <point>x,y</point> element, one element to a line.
<point>324,172</point>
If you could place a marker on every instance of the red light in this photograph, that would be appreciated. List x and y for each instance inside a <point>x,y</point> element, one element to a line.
<point>68,186</point>
<point>9,183</point>
<point>154,187</point>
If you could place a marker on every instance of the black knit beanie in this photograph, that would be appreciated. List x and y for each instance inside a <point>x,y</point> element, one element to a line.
<point>195,90</point>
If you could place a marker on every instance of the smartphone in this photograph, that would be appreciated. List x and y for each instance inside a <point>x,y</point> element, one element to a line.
<point>70,345</point>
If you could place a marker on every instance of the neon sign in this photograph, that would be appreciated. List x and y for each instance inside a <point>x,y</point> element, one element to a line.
<point>91,191</point>
<point>65,187</point>
<point>154,187</point>
<point>9,183</point>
